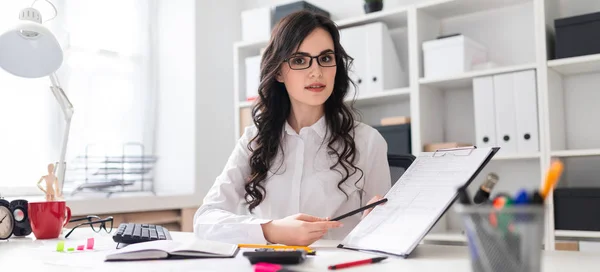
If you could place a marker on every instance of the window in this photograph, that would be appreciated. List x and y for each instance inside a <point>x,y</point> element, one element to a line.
<point>106,74</point>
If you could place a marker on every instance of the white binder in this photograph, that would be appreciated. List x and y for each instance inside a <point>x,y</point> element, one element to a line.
<point>252,76</point>
<point>384,71</point>
<point>355,45</point>
<point>485,111</point>
<point>506,129</point>
<point>526,111</point>
<point>376,65</point>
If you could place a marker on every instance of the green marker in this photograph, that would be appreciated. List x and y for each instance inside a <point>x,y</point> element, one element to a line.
<point>71,249</point>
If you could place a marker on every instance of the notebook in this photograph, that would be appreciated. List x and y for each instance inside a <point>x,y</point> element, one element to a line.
<point>170,249</point>
<point>417,200</point>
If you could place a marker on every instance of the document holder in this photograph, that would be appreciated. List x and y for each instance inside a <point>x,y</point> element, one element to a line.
<point>420,196</point>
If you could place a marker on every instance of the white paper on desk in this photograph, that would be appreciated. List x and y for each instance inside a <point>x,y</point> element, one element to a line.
<point>416,201</point>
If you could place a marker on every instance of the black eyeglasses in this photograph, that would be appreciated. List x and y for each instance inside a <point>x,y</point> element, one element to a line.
<point>95,222</point>
<point>301,61</point>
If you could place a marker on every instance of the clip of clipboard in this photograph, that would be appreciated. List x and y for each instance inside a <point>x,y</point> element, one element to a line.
<point>454,151</point>
<point>459,151</point>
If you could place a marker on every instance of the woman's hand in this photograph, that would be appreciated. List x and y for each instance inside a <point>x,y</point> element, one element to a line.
<point>298,230</point>
<point>373,200</point>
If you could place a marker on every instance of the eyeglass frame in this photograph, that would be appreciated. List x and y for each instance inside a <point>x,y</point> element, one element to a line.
<point>310,62</point>
<point>91,222</point>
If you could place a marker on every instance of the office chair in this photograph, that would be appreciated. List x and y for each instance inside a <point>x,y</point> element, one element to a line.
<point>399,164</point>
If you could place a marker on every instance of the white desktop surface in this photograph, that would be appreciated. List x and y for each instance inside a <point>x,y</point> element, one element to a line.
<point>28,253</point>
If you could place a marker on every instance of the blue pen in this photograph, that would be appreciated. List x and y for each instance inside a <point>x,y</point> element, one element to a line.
<point>522,198</point>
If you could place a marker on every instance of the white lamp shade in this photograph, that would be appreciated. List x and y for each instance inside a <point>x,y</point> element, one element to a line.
<point>30,50</point>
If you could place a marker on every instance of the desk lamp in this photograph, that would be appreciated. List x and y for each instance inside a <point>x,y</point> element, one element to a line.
<point>30,50</point>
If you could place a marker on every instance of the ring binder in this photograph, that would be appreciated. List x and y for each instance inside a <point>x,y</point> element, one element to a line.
<point>445,150</point>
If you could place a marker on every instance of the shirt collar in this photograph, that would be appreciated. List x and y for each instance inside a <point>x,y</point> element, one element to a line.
<point>320,127</point>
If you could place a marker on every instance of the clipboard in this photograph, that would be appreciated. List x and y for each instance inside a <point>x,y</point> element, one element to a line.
<point>383,230</point>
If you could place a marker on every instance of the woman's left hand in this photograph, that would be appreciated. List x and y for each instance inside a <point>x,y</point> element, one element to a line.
<point>373,200</point>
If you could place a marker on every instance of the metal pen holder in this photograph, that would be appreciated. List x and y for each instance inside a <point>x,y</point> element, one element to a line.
<point>510,239</point>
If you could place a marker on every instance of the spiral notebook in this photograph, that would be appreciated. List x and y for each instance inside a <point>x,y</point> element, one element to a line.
<point>417,200</point>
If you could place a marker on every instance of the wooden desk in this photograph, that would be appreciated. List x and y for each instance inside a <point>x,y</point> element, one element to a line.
<point>28,253</point>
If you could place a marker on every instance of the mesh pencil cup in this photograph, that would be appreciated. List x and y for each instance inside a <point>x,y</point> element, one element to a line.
<point>509,239</point>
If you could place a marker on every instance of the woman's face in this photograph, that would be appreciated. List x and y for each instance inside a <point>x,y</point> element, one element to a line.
<point>310,85</point>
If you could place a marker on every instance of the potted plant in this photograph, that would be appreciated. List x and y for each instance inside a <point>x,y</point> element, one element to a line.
<point>373,5</point>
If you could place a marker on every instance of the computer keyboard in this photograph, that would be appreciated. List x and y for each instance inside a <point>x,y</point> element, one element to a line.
<point>131,233</point>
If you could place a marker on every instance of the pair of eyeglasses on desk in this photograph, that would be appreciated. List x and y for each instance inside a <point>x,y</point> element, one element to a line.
<point>95,222</point>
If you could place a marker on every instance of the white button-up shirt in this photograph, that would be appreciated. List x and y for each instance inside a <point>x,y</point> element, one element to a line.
<point>300,182</point>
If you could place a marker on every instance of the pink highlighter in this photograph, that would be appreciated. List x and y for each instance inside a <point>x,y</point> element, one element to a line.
<point>269,267</point>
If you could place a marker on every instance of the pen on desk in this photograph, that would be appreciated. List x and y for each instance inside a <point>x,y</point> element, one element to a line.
<point>359,210</point>
<point>552,178</point>
<point>308,249</point>
<point>356,263</point>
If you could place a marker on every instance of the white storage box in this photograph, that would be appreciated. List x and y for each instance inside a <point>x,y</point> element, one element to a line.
<point>451,56</point>
<point>252,77</point>
<point>256,24</point>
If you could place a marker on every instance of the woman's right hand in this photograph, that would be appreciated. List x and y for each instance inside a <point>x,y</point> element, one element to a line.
<point>298,230</point>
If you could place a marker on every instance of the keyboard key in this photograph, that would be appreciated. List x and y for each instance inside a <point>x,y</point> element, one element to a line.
<point>145,233</point>
<point>153,234</point>
<point>129,230</point>
<point>137,232</point>
<point>144,225</point>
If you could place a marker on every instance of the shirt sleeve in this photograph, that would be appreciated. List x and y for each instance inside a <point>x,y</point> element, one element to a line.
<point>377,175</point>
<point>223,215</point>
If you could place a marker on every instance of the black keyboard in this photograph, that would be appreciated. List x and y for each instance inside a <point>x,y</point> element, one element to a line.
<point>130,233</point>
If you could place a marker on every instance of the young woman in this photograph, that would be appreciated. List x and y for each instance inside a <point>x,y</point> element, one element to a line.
<point>306,159</point>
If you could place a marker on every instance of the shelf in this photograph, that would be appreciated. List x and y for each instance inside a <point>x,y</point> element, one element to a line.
<point>388,96</point>
<point>577,235</point>
<point>393,18</point>
<point>453,8</point>
<point>576,153</point>
<point>246,104</point>
<point>465,80</point>
<point>576,65</point>
<point>526,156</point>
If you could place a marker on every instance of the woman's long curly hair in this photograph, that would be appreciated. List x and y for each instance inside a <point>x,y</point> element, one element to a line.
<point>273,106</point>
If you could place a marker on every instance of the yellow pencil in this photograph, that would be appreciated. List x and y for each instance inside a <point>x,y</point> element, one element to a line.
<point>308,249</point>
<point>552,177</point>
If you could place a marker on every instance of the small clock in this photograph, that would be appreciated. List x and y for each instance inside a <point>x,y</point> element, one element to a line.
<point>7,221</point>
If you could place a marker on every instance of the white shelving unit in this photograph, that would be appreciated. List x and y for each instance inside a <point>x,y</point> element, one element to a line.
<point>518,35</point>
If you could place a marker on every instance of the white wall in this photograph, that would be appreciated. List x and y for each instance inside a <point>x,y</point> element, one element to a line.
<point>176,72</point>
<point>217,28</point>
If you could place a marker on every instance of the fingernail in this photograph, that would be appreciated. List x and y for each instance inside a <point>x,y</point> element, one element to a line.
<point>341,225</point>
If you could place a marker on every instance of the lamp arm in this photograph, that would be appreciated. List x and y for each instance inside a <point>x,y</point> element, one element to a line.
<point>67,109</point>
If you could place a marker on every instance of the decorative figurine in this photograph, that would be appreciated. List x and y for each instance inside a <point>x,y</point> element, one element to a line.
<point>52,190</point>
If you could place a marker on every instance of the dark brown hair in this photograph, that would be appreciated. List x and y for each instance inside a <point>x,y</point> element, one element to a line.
<point>273,106</point>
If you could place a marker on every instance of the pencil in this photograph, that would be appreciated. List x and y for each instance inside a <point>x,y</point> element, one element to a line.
<point>307,249</point>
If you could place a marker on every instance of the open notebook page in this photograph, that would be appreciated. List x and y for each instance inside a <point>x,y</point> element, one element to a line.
<point>416,201</point>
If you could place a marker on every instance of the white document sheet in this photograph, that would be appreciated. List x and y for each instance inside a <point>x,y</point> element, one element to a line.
<point>417,200</point>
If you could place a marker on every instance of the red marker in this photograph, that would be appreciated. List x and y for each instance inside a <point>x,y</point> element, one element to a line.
<point>357,263</point>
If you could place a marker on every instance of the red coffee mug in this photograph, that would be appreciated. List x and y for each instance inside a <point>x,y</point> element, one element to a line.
<point>48,218</point>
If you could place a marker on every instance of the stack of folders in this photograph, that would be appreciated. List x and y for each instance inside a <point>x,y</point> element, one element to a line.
<point>506,112</point>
